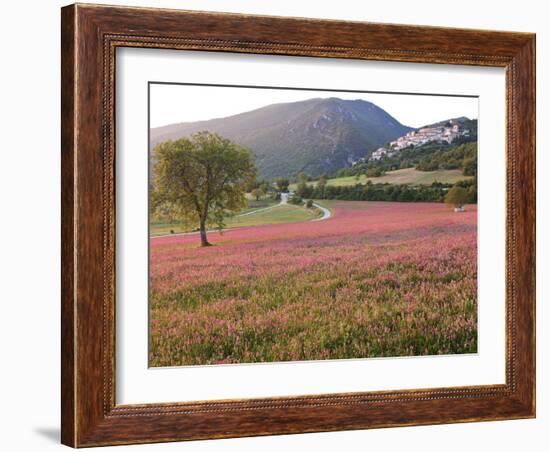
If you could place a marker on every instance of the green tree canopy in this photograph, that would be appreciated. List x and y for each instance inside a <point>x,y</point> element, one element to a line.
<point>257,193</point>
<point>201,179</point>
<point>322,182</point>
<point>469,166</point>
<point>282,184</point>
<point>458,196</point>
<point>301,187</point>
<point>374,172</point>
<point>302,177</point>
<point>265,186</point>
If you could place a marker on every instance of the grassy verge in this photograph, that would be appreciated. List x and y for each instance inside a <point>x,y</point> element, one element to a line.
<point>256,215</point>
<point>402,176</point>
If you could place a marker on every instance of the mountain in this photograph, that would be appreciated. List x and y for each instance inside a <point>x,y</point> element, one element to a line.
<point>316,136</point>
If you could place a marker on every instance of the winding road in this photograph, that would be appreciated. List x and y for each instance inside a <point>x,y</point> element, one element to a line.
<point>326,213</point>
<point>284,201</point>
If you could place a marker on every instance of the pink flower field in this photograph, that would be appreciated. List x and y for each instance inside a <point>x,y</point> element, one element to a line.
<point>377,279</point>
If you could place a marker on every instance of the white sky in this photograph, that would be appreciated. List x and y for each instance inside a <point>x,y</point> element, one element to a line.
<point>171,104</point>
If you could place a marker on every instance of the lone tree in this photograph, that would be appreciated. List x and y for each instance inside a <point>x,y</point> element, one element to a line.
<point>301,188</point>
<point>282,184</point>
<point>202,179</point>
<point>457,196</point>
<point>257,193</point>
<point>322,182</point>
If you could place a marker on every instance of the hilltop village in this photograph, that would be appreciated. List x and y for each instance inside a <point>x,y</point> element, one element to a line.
<point>447,132</point>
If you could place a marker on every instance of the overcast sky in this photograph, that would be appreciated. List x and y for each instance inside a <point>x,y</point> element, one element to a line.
<point>185,103</point>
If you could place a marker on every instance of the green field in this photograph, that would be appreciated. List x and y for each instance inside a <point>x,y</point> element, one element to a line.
<point>283,213</point>
<point>255,216</point>
<point>256,205</point>
<point>402,176</point>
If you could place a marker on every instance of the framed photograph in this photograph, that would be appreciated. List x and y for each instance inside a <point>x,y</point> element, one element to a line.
<point>281,225</point>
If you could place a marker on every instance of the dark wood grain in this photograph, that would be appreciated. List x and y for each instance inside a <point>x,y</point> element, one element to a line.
<point>90,36</point>
<point>67,226</point>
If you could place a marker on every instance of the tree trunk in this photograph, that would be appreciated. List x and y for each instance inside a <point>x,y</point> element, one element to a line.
<point>204,239</point>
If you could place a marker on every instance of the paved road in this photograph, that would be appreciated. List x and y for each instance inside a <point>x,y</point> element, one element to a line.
<point>284,200</point>
<point>257,210</point>
<point>326,213</point>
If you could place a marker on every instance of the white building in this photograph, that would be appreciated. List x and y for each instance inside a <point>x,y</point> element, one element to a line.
<point>378,154</point>
<point>429,134</point>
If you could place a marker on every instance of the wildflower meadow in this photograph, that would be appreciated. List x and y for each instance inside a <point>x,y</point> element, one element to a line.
<point>377,279</point>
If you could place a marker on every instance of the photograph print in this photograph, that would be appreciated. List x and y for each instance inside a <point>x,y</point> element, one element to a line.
<point>293,224</point>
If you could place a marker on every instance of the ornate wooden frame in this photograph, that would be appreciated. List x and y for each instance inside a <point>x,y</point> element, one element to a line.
<point>90,35</point>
